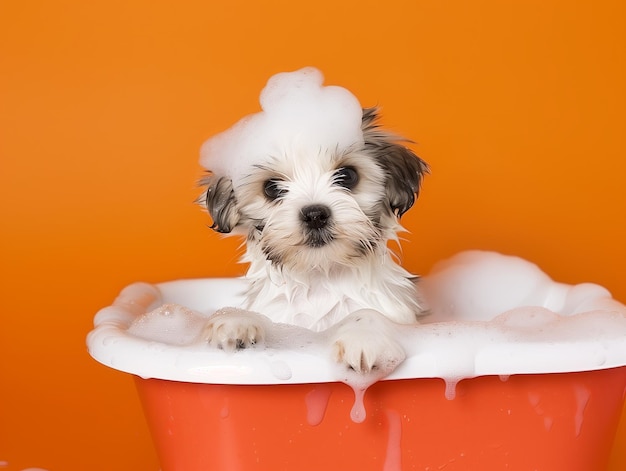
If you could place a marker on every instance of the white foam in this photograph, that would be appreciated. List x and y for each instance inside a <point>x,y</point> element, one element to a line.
<point>170,323</point>
<point>491,315</point>
<point>298,112</point>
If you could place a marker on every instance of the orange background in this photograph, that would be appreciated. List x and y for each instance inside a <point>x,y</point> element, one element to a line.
<point>518,106</point>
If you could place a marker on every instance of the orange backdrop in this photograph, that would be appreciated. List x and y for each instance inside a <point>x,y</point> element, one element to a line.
<point>519,107</point>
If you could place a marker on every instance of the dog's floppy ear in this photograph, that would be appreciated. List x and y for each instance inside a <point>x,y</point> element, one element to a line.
<point>404,169</point>
<point>221,203</point>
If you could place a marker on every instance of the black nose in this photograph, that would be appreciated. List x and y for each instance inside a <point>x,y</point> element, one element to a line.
<point>315,216</point>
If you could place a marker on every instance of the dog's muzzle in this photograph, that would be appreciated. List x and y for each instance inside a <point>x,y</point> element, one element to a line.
<point>315,219</point>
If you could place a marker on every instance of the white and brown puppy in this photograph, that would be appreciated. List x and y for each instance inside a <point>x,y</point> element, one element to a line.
<point>316,229</point>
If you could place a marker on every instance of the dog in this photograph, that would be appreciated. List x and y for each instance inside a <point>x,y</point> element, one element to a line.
<point>317,229</point>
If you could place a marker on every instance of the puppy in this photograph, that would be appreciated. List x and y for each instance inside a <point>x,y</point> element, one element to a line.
<point>317,229</point>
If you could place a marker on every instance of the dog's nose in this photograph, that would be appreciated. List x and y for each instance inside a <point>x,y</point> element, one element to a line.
<point>315,216</point>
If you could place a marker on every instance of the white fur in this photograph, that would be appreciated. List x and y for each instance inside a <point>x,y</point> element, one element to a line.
<point>318,299</point>
<point>351,282</point>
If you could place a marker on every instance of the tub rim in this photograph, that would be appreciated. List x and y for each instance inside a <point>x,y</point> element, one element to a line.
<point>111,345</point>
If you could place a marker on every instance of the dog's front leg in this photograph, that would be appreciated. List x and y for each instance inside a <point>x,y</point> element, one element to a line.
<point>231,328</point>
<point>366,341</point>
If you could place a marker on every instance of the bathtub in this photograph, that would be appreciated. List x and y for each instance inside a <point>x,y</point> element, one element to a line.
<point>510,371</point>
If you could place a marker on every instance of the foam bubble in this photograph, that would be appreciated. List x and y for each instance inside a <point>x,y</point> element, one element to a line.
<point>281,370</point>
<point>298,112</point>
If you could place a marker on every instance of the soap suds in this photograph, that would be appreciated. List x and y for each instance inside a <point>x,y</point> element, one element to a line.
<point>486,332</point>
<point>298,112</point>
<point>393,457</point>
<point>316,403</point>
<point>582,396</point>
<point>281,370</point>
<point>450,391</point>
<point>170,323</point>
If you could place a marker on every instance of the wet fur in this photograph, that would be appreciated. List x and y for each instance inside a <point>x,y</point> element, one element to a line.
<point>319,277</point>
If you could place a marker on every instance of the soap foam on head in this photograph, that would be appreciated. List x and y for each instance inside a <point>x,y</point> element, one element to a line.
<point>298,112</point>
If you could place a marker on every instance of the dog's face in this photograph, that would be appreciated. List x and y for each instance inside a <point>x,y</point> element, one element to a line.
<point>303,211</point>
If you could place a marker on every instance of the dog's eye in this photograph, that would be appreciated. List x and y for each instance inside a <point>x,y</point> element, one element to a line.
<point>346,177</point>
<point>273,189</point>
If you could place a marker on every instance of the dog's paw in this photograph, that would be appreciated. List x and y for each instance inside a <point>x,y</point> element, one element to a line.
<point>364,342</point>
<point>233,329</point>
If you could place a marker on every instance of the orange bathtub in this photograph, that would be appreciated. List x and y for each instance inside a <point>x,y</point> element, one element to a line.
<point>546,422</point>
<point>514,372</point>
